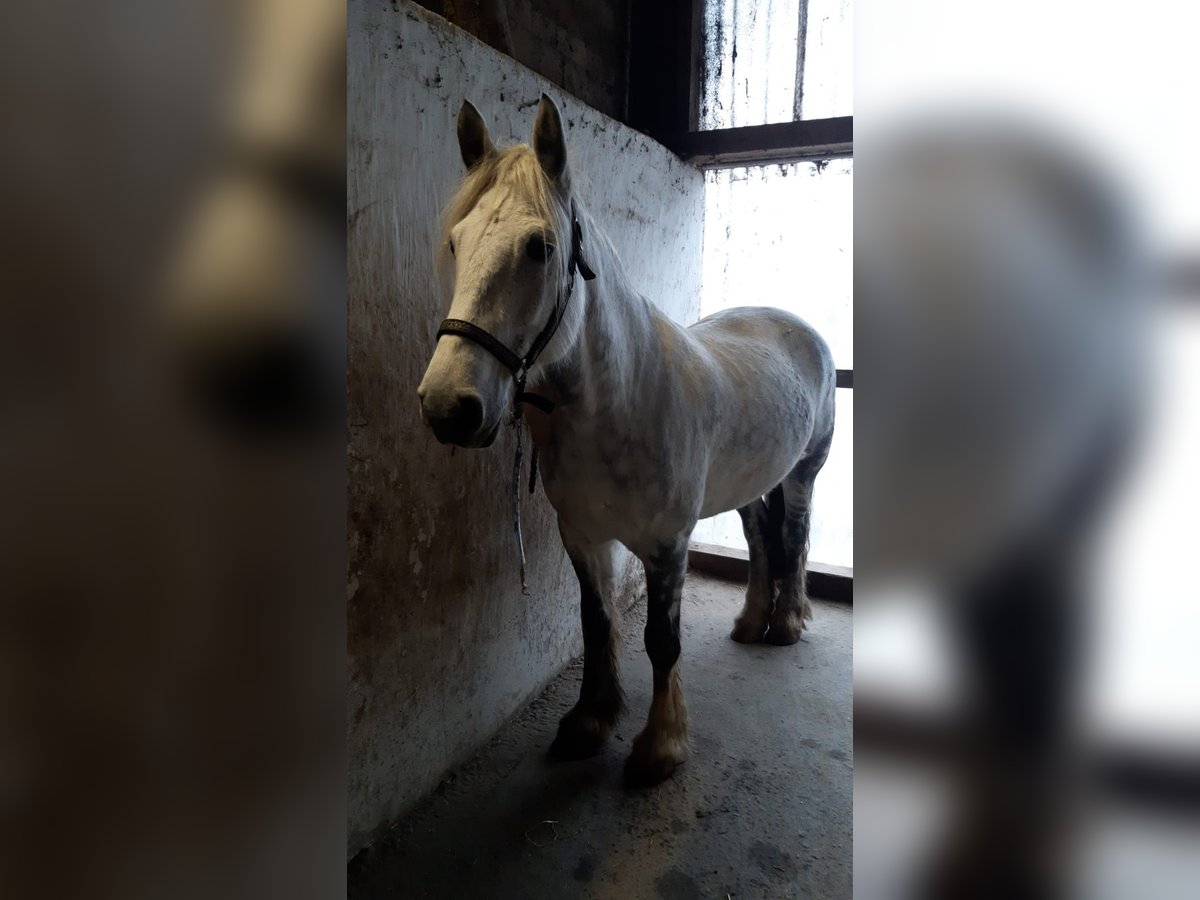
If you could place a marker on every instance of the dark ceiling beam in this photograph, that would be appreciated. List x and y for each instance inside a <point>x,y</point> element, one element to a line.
<point>661,56</point>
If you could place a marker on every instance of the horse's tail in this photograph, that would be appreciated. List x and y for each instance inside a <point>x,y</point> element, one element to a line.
<point>776,558</point>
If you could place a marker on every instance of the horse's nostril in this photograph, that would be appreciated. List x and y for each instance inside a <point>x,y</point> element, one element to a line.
<point>469,413</point>
<point>460,421</point>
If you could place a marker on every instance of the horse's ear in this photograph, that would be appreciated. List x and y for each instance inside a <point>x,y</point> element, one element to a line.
<point>473,140</point>
<point>548,141</point>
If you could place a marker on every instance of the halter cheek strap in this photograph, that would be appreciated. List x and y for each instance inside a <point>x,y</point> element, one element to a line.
<point>519,366</point>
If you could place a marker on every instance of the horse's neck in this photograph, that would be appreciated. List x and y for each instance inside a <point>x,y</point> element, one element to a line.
<point>600,373</point>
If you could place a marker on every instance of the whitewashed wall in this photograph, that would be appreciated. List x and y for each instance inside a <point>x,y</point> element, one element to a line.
<point>443,647</point>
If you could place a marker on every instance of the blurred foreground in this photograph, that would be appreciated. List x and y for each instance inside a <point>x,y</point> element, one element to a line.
<point>1027,710</point>
<point>171,721</point>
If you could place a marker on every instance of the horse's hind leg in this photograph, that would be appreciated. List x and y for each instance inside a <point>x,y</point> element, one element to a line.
<point>751,622</point>
<point>584,729</point>
<point>792,607</point>
<point>663,743</point>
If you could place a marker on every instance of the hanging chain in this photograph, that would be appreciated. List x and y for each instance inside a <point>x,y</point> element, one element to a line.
<point>515,422</point>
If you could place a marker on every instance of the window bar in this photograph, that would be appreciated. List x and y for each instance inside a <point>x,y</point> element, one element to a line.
<point>801,42</point>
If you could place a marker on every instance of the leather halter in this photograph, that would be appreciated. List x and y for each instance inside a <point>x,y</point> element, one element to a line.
<point>519,366</point>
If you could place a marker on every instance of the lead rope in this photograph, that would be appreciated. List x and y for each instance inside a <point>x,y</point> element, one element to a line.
<point>515,421</point>
<point>516,492</point>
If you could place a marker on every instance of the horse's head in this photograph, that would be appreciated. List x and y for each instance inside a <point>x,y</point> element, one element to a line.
<point>507,240</point>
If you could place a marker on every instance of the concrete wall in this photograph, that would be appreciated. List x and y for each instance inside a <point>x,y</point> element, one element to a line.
<point>442,645</point>
<point>583,47</point>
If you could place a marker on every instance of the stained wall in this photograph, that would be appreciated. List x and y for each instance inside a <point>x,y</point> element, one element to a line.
<point>581,47</point>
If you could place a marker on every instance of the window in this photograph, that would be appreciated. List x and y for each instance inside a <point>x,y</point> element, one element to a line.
<point>782,235</point>
<point>768,61</point>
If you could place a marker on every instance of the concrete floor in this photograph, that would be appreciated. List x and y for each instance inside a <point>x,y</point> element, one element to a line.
<point>762,808</point>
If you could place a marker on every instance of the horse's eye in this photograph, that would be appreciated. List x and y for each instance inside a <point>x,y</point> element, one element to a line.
<point>451,248</point>
<point>538,250</point>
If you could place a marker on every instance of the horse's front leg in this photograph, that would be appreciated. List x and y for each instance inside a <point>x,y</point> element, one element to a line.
<point>663,743</point>
<point>585,728</point>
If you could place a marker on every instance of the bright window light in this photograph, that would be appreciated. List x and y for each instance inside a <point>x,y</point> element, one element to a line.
<point>782,236</point>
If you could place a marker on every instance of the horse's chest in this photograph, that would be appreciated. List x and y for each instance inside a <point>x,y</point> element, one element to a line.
<point>602,486</point>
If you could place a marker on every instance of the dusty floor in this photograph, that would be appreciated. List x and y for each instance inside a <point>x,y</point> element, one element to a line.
<point>762,808</point>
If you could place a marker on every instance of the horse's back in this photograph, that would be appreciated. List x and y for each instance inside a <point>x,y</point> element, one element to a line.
<point>749,339</point>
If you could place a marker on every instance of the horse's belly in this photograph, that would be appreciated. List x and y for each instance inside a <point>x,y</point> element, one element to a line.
<point>758,444</point>
<point>735,480</point>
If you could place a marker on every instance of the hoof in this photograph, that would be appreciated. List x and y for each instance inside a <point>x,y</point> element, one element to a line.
<point>786,631</point>
<point>579,736</point>
<point>648,773</point>
<point>652,762</point>
<point>747,632</point>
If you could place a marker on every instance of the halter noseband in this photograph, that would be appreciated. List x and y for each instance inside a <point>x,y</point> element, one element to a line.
<point>519,366</point>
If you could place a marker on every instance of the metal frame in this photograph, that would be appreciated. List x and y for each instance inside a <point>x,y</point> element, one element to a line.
<point>1143,775</point>
<point>666,68</point>
<point>782,142</point>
